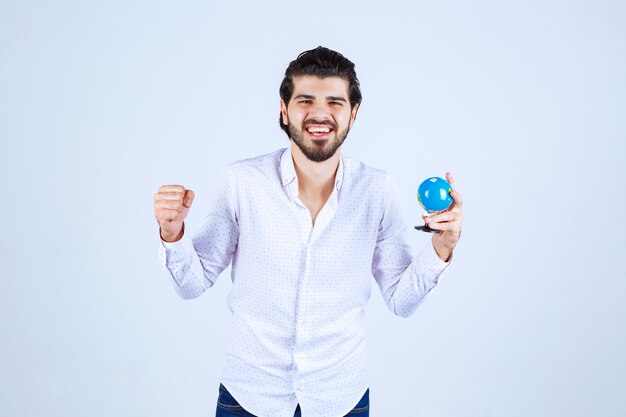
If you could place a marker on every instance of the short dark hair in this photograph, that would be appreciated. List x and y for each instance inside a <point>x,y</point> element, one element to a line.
<point>321,62</point>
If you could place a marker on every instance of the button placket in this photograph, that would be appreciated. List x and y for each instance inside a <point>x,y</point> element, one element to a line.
<point>306,230</point>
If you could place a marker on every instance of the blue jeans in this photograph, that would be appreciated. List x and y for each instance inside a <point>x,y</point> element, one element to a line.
<point>227,406</point>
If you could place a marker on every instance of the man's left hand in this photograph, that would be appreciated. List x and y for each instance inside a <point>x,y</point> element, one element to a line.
<point>448,224</point>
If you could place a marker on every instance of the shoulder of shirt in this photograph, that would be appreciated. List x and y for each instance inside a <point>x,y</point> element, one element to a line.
<point>358,170</point>
<point>261,163</point>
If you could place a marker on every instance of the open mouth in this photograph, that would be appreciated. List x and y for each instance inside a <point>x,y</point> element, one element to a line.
<point>319,131</point>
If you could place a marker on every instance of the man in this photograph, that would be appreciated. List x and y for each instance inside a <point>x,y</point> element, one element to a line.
<point>306,229</point>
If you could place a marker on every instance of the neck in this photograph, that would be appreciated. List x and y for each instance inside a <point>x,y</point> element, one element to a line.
<point>314,178</point>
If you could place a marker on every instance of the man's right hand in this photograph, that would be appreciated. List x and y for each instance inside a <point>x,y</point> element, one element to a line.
<point>171,205</point>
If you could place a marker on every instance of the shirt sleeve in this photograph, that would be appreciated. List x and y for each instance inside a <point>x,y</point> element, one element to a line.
<point>404,280</point>
<point>194,263</point>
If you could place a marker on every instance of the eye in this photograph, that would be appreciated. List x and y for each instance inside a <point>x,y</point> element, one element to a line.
<point>304,101</point>
<point>336,103</point>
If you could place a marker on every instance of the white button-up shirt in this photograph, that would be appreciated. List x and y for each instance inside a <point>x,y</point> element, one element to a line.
<point>299,289</point>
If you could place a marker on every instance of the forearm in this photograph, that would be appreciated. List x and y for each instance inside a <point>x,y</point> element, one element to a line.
<point>184,267</point>
<point>404,291</point>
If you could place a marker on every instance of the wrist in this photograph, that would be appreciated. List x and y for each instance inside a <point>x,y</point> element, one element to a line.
<point>443,252</point>
<point>170,238</point>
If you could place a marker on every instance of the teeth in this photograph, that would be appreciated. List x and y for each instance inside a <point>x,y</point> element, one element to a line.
<point>319,129</point>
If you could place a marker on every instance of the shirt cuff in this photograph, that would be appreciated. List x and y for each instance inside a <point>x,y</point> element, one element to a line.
<point>172,251</point>
<point>430,264</point>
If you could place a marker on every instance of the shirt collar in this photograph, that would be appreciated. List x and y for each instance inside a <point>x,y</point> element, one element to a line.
<point>288,170</point>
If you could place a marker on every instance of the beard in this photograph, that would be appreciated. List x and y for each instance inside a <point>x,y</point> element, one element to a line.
<point>317,150</point>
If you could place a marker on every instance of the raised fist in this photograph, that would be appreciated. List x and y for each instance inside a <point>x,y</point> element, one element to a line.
<point>171,205</point>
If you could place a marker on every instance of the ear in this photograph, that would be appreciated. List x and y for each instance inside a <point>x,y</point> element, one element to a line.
<point>283,112</point>
<point>355,109</point>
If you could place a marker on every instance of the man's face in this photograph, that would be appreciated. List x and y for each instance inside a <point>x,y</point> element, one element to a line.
<point>318,115</point>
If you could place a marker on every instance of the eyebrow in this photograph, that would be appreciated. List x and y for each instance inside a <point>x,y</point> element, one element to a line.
<point>310,97</point>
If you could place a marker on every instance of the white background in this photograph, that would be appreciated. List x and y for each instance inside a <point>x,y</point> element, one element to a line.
<point>102,102</point>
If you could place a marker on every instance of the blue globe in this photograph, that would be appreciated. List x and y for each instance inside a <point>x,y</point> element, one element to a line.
<point>434,194</point>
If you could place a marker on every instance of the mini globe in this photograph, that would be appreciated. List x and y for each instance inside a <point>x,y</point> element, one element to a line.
<point>434,194</point>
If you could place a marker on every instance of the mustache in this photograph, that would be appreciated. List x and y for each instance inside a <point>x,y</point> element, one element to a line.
<point>310,122</point>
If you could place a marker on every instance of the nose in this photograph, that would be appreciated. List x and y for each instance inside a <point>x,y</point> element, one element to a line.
<point>319,112</point>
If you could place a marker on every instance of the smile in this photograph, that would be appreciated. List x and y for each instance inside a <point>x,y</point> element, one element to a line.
<point>319,131</point>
